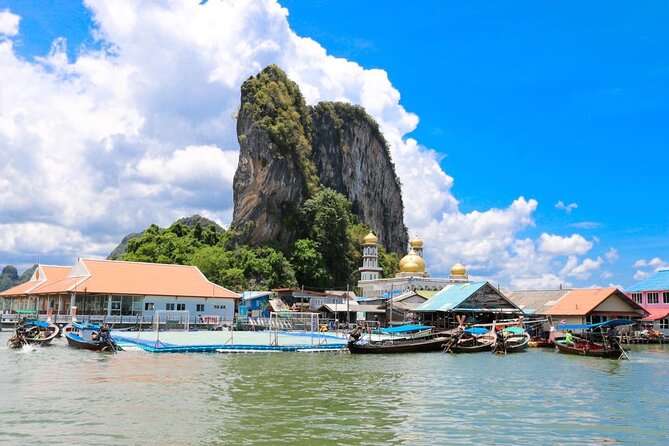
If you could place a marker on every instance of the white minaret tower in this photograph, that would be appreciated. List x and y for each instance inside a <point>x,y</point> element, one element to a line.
<point>370,258</point>
<point>417,245</point>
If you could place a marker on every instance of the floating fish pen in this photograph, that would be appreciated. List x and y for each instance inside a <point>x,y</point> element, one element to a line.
<point>229,342</point>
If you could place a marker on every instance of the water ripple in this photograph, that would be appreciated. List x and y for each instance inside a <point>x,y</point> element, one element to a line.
<point>56,395</point>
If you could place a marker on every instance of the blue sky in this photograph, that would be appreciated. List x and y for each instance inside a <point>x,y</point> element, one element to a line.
<point>521,105</point>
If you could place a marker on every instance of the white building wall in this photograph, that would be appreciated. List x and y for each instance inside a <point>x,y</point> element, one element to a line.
<point>224,308</point>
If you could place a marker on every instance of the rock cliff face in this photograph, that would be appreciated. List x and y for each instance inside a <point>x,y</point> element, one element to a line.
<point>289,150</point>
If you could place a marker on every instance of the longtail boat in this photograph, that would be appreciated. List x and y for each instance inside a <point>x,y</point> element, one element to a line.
<point>470,340</point>
<point>511,340</point>
<point>33,332</point>
<point>403,339</point>
<point>594,342</point>
<point>91,337</point>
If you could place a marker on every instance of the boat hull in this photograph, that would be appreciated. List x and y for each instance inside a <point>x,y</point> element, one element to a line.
<point>399,346</point>
<point>514,344</point>
<point>483,343</point>
<point>31,334</point>
<point>75,342</point>
<point>591,349</point>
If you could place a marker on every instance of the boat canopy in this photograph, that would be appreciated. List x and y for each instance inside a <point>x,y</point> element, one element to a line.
<point>403,329</point>
<point>477,330</point>
<point>607,324</point>
<point>36,323</point>
<point>85,326</point>
<point>514,330</point>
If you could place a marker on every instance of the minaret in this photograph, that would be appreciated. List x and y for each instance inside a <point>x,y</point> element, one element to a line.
<point>417,245</point>
<point>370,258</point>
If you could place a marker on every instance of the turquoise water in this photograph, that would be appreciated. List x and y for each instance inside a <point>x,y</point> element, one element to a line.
<point>60,396</point>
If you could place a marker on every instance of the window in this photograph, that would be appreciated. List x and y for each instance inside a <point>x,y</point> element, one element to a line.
<point>181,307</point>
<point>665,297</point>
<point>664,323</point>
<point>653,298</point>
<point>199,307</point>
<point>169,307</point>
<point>148,306</point>
<point>219,307</point>
<point>636,297</point>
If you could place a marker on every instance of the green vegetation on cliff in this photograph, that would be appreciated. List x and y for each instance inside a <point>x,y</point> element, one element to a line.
<point>326,256</point>
<point>276,104</point>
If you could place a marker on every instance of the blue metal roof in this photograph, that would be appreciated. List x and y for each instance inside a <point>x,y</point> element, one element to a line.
<point>250,295</point>
<point>403,328</point>
<point>389,294</point>
<point>657,282</point>
<point>450,297</point>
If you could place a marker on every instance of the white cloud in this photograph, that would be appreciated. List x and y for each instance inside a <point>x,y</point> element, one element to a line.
<point>581,270</point>
<point>612,255</point>
<point>9,23</point>
<point>646,268</point>
<point>141,131</point>
<point>567,208</point>
<point>586,225</point>
<point>558,245</point>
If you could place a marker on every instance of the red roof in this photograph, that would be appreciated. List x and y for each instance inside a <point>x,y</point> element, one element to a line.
<point>656,314</point>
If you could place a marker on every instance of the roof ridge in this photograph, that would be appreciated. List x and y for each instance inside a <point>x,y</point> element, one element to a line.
<point>128,262</point>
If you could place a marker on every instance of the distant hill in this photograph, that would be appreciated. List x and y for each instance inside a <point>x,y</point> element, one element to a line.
<point>191,222</point>
<point>10,276</point>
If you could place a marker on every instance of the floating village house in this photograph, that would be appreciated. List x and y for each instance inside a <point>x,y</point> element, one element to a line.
<point>116,289</point>
<point>255,304</point>
<point>473,302</point>
<point>652,294</point>
<point>578,306</point>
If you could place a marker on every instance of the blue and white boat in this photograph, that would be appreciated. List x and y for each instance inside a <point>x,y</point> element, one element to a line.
<point>91,337</point>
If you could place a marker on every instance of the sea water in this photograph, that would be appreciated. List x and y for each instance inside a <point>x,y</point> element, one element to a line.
<point>56,395</point>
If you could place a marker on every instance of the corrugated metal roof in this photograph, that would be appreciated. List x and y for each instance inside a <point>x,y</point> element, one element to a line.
<point>657,282</point>
<point>450,297</point>
<point>535,301</point>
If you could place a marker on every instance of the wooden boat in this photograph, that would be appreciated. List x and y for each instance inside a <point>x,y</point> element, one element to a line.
<point>91,337</point>
<point>470,340</point>
<point>33,332</point>
<point>406,339</point>
<point>608,347</point>
<point>511,340</point>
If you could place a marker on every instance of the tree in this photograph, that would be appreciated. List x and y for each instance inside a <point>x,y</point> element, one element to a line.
<point>328,217</point>
<point>309,265</point>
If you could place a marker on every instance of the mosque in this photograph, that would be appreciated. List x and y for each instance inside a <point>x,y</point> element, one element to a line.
<point>413,273</point>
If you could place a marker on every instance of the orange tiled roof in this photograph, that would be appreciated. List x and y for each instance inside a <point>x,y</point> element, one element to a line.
<point>113,277</point>
<point>49,274</point>
<point>155,279</point>
<point>580,302</point>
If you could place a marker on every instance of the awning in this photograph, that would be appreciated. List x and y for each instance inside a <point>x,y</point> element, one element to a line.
<point>607,324</point>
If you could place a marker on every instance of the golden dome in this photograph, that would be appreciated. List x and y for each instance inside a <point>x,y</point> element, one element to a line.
<point>408,261</point>
<point>416,243</point>
<point>458,269</point>
<point>369,239</point>
<point>410,267</point>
